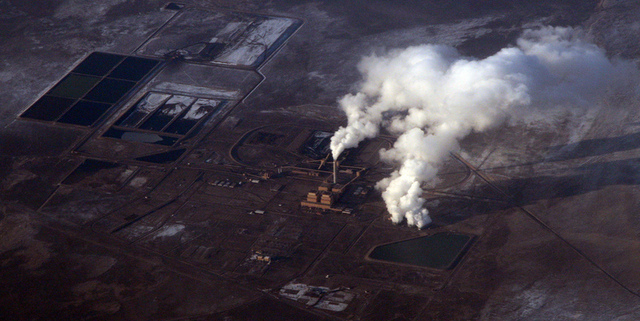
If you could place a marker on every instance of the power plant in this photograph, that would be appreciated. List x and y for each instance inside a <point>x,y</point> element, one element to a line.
<point>330,191</point>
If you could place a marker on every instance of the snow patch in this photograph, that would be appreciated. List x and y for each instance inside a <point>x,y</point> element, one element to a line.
<point>170,230</point>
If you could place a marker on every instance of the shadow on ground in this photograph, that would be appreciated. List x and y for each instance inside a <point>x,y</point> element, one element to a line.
<point>594,147</point>
<point>525,191</point>
<point>584,179</point>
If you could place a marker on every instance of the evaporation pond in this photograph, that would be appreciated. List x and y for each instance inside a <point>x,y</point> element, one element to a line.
<point>98,64</point>
<point>143,107</point>
<point>86,169</point>
<point>109,90</point>
<point>73,86</point>
<point>140,137</point>
<point>84,113</point>
<point>48,108</point>
<point>167,112</point>
<point>439,251</point>
<point>163,158</point>
<point>133,68</point>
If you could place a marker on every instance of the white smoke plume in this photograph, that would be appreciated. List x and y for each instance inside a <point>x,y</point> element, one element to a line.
<point>432,97</point>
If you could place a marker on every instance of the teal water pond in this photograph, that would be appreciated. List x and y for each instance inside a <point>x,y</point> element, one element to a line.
<point>438,251</point>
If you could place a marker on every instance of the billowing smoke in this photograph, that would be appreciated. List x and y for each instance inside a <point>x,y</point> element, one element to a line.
<point>432,97</point>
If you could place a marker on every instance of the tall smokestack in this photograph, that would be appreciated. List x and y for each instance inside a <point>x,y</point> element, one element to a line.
<point>431,97</point>
<point>335,171</point>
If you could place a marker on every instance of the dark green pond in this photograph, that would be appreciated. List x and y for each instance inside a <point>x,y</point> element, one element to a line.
<point>73,86</point>
<point>91,89</point>
<point>439,251</point>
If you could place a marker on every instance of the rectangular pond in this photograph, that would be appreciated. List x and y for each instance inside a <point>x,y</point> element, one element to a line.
<point>438,251</point>
<point>91,89</point>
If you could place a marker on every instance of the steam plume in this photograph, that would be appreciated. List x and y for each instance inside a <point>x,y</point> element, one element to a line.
<point>432,97</point>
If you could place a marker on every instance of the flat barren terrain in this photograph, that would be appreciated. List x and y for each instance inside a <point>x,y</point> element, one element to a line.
<point>170,161</point>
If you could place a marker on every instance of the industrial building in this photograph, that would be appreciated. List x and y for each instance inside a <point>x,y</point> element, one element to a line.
<point>330,190</point>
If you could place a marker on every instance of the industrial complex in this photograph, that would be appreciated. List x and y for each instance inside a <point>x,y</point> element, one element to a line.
<point>173,161</point>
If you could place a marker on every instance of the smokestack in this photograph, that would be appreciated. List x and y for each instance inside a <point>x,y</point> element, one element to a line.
<point>432,97</point>
<point>335,171</point>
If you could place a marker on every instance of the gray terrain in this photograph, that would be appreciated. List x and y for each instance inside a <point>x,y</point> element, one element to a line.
<point>177,192</point>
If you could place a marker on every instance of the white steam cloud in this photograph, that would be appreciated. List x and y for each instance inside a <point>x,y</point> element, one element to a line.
<point>432,97</point>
